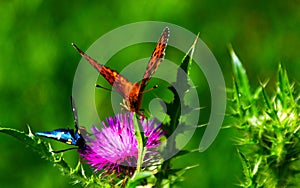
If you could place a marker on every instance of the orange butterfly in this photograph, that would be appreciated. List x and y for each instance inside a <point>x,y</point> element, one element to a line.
<point>132,92</point>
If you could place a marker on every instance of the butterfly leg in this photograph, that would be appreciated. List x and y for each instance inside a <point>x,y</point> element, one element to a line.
<point>99,86</point>
<point>63,150</point>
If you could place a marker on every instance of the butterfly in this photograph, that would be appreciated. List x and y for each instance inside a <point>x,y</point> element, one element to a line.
<point>68,136</point>
<point>131,92</point>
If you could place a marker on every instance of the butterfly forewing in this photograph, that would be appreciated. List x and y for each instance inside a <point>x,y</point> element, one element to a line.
<point>156,58</point>
<point>74,113</point>
<point>119,82</point>
<point>131,92</point>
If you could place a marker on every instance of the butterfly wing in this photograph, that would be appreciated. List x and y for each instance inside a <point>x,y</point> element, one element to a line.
<point>119,82</point>
<point>68,136</point>
<point>62,135</point>
<point>74,110</point>
<point>156,58</point>
<point>131,92</point>
<point>80,132</point>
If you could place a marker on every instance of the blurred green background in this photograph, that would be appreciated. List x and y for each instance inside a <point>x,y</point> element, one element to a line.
<point>38,64</point>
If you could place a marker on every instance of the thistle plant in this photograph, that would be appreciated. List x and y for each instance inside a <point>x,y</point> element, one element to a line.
<point>268,124</point>
<point>115,147</point>
<point>127,151</point>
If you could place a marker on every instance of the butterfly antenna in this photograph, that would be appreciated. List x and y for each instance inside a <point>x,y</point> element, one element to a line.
<point>99,86</point>
<point>74,113</point>
<point>154,87</point>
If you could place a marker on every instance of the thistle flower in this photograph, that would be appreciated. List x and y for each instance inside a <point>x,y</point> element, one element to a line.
<point>115,147</point>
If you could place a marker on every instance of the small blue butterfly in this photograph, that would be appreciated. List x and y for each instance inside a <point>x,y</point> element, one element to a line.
<point>68,136</point>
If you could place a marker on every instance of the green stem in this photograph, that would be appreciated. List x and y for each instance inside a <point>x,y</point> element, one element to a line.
<point>140,141</point>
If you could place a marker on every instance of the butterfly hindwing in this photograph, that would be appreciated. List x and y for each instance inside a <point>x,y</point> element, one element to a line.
<point>63,135</point>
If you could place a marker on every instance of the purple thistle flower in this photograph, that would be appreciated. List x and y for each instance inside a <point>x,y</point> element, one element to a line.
<point>115,148</point>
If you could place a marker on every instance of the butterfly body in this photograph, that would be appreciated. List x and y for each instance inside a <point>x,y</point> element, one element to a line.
<point>131,92</point>
<point>135,98</point>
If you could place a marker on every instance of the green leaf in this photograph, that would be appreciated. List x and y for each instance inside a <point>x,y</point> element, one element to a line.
<point>246,169</point>
<point>45,151</point>
<point>43,148</point>
<point>284,92</point>
<point>174,109</point>
<point>188,58</point>
<point>240,75</point>
<point>269,136</point>
<point>242,86</point>
<point>183,152</point>
<point>31,141</point>
<point>174,176</point>
<point>271,109</point>
<point>137,178</point>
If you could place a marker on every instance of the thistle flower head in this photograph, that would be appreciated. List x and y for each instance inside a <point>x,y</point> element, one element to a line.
<point>115,147</point>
